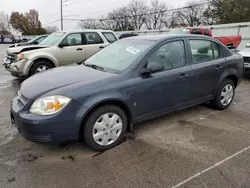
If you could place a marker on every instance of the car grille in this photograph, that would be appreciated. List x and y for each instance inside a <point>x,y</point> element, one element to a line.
<point>247,59</point>
<point>36,137</point>
<point>11,57</point>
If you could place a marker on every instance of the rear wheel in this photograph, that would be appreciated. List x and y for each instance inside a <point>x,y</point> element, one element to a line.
<point>105,128</point>
<point>39,67</point>
<point>225,95</point>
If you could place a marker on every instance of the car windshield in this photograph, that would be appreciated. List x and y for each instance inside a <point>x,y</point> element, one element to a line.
<point>178,31</point>
<point>119,55</point>
<point>52,39</point>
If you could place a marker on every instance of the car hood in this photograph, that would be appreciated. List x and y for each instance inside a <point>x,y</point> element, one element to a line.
<point>19,49</point>
<point>245,52</point>
<point>53,79</point>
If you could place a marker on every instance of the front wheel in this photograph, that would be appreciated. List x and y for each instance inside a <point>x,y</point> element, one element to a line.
<point>39,67</point>
<point>225,95</point>
<point>105,128</point>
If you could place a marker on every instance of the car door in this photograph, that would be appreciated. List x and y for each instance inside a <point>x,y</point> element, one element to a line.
<point>207,64</point>
<point>71,49</point>
<point>164,90</point>
<point>93,44</point>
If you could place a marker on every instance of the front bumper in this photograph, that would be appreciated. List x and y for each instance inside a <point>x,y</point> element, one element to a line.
<point>17,68</point>
<point>54,129</point>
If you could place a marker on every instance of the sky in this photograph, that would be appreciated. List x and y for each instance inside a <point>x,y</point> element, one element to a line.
<point>49,10</point>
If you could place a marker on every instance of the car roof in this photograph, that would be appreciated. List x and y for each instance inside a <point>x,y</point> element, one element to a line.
<point>161,37</point>
<point>86,30</point>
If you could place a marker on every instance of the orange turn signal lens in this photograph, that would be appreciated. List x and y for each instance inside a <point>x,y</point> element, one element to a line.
<point>21,56</point>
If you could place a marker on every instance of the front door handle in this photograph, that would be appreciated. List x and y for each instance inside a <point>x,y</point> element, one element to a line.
<point>183,75</point>
<point>218,67</point>
<point>79,49</point>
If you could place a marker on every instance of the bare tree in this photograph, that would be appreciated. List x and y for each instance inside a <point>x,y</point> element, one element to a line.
<point>4,23</point>
<point>51,29</point>
<point>192,15</point>
<point>121,19</point>
<point>138,13</point>
<point>89,24</point>
<point>157,18</point>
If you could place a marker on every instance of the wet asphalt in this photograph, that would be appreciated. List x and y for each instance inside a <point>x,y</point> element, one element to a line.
<point>161,153</point>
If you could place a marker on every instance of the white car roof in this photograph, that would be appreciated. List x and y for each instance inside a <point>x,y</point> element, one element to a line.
<point>87,30</point>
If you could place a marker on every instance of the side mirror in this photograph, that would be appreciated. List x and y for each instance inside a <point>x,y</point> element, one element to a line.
<point>152,67</point>
<point>145,71</point>
<point>61,45</point>
<point>35,42</point>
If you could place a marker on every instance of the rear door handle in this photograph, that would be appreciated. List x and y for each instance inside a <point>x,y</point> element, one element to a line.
<point>79,49</point>
<point>183,75</point>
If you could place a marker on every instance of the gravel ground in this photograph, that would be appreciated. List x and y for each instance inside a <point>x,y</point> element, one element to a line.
<point>194,148</point>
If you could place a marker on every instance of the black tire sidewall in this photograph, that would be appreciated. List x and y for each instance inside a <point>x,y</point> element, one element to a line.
<point>217,102</point>
<point>88,127</point>
<point>37,64</point>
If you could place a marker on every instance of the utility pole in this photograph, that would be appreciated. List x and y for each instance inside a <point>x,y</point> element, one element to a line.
<point>61,6</point>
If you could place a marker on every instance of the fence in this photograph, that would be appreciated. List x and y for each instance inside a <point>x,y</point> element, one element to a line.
<point>242,29</point>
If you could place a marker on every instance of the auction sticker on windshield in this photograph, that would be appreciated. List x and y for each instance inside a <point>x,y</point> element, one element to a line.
<point>247,65</point>
<point>133,50</point>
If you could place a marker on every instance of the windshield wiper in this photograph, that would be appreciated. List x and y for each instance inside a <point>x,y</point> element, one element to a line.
<point>95,67</point>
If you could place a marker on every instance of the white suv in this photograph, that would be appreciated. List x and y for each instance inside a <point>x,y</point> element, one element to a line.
<point>59,48</point>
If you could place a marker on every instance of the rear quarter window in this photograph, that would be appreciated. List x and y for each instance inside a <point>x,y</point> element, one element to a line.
<point>109,36</point>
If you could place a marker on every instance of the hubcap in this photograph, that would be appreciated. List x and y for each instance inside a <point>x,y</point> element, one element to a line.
<point>41,68</point>
<point>227,95</point>
<point>107,129</point>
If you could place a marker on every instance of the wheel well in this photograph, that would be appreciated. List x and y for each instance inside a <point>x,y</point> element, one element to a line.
<point>120,104</point>
<point>234,79</point>
<point>45,59</point>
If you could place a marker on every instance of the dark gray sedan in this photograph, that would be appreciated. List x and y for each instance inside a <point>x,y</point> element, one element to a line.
<point>129,81</point>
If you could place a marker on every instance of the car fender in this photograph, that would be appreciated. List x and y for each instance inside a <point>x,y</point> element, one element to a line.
<point>91,102</point>
<point>39,55</point>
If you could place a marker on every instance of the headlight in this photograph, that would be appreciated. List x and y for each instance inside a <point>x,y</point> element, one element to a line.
<point>20,56</point>
<point>49,105</point>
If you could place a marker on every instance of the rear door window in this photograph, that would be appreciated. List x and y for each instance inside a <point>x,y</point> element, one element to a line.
<point>109,36</point>
<point>204,50</point>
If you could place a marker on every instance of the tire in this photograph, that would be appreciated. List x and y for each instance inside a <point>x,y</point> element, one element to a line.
<point>105,128</point>
<point>39,64</point>
<point>217,102</point>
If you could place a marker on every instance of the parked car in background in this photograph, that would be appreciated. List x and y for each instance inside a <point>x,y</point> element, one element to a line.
<point>248,45</point>
<point>127,82</point>
<point>9,40</point>
<point>25,40</point>
<point>232,42</point>
<point>60,48</point>
<point>126,35</point>
<point>34,41</point>
<point>246,55</point>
